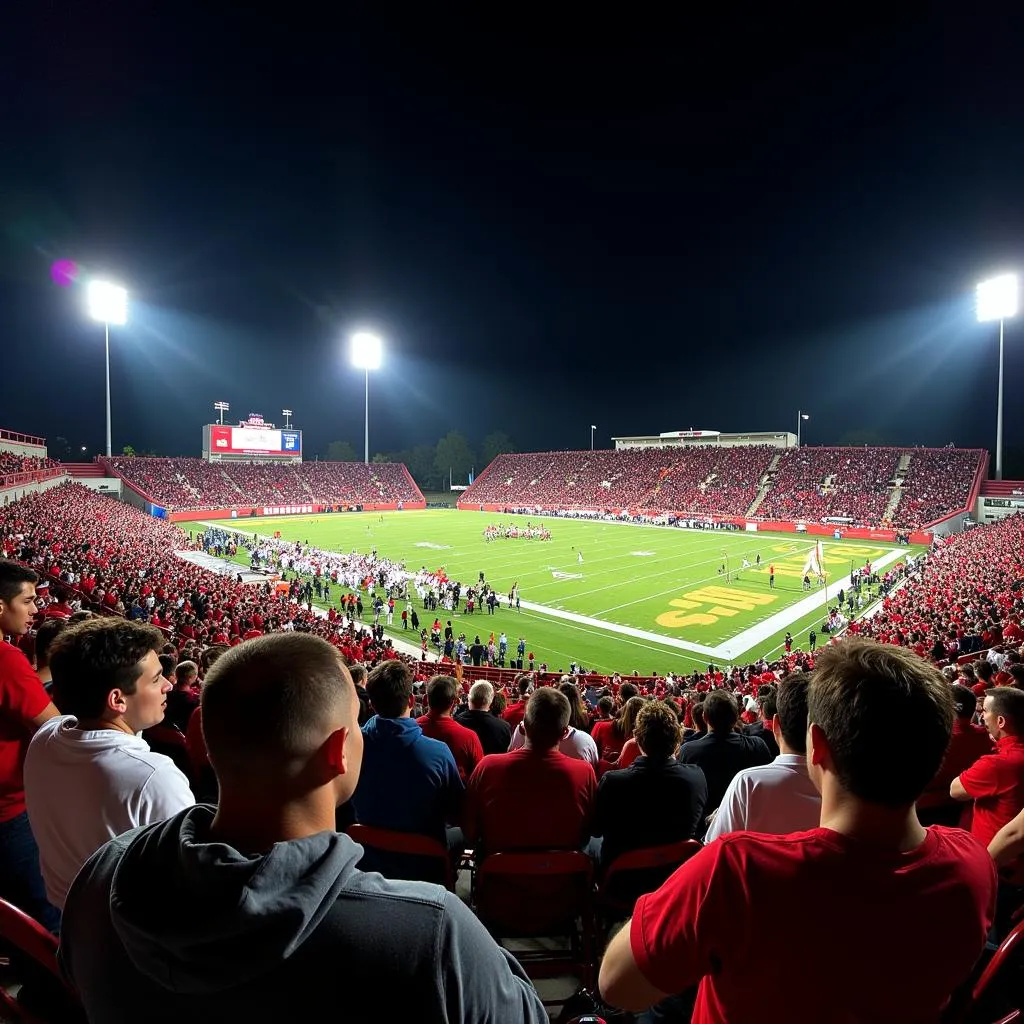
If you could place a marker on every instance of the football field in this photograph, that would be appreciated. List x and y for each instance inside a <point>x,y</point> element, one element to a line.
<point>610,596</point>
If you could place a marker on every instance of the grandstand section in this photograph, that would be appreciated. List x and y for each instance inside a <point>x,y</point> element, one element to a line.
<point>25,466</point>
<point>754,486</point>
<point>178,487</point>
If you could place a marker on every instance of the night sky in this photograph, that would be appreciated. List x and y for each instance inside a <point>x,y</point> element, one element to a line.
<point>553,222</point>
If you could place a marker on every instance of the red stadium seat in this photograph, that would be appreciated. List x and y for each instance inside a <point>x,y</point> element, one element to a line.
<point>637,872</point>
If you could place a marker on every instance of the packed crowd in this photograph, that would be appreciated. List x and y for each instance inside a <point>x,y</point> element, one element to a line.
<point>14,462</point>
<point>855,484</point>
<point>181,483</point>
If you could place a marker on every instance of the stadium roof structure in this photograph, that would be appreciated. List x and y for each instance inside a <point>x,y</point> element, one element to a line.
<point>670,438</point>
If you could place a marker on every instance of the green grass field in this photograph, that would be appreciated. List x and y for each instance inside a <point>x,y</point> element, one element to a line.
<point>644,598</point>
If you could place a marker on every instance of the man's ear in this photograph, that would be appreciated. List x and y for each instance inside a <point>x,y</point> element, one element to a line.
<point>776,728</point>
<point>117,702</point>
<point>334,747</point>
<point>818,752</point>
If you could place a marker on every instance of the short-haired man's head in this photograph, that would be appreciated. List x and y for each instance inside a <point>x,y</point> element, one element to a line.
<point>167,664</point>
<point>47,632</point>
<point>886,715</point>
<point>1006,703</point>
<point>211,655</point>
<point>984,670</point>
<point>270,703</point>
<point>657,730</point>
<point>442,693</point>
<point>721,711</point>
<point>186,673</point>
<point>791,709</point>
<point>606,705</point>
<point>628,690</point>
<point>546,717</point>
<point>768,702</point>
<point>13,576</point>
<point>89,660</point>
<point>480,695</point>
<point>524,682</point>
<point>358,673</point>
<point>389,687</point>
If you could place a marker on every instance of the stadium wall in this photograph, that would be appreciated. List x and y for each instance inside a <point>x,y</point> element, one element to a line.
<point>18,485</point>
<point>22,444</point>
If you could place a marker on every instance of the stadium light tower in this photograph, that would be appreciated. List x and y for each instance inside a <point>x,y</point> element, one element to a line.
<point>287,414</point>
<point>221,407</point>
<point>592,429</point>
<point>800,417</point>
<point>107,303</point>
<point>366,355</point>
<point>997,300</point>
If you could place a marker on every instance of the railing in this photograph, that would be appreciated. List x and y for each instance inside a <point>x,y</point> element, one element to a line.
<point>19,438</point>
<point>32,477</point>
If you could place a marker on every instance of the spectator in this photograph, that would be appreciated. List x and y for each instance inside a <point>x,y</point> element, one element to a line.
<point>494,733</point>
<point>24,707</point>
<point>762,728</point>
<point>438,724</point>
<point>656,800</point>
<point>967,744</point>
<point>48,631</point>
<point>533,798</point>
<point>411,782</point>
<point>513,714</point>
<point>264,888</point>
<point>780,797</point>
<point>909,896</point>
<point>995,782</point>
<point>723,751</point>
<point>574,743</point>
<point>183,700</point>
<point>89,776</point>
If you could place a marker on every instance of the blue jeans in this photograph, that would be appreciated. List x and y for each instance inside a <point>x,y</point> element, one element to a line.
<point>21,882</point>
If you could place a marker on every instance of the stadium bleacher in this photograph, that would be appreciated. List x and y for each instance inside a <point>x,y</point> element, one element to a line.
<point>188,484</point>
<point>855,485</point>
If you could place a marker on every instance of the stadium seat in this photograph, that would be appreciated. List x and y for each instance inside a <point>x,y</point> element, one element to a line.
<point>541,894</point>
<point>1001,979</point>
<point>432,854</point>
<point>637,872</point>
<point>23,935</point>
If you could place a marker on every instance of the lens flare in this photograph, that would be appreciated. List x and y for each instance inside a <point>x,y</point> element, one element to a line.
<point>64,273</point>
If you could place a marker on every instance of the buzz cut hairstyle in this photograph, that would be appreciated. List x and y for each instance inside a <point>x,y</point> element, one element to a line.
<point>442,692</point>
<point>1008,702</point>
<point>269,704</point>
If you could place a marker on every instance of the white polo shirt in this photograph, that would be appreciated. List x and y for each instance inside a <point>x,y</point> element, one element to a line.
<point>777,798</point>
<point>575,743</point>
<point>83,788</point>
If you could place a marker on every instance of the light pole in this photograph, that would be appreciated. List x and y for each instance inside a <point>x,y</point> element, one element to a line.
<point>592,429</point>
<point>997,300</point>
<point>107,303</point>
<point>366,355</point>
<point>800,417</point>
<point>287,414</point>
<point>221,407</point>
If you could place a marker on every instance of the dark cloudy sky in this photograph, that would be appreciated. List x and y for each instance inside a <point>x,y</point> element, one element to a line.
<point>554,221</point>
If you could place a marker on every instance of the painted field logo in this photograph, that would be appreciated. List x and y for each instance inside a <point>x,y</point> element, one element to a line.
<point>643,554</point>
<point>566,575</point>
<point>433,547</point>
<point>715,602</point>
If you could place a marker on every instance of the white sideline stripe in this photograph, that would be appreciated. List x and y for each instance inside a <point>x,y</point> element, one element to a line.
<point>738,644</point>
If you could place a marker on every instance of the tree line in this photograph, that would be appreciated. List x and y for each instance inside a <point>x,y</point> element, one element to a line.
<point>431,464</point>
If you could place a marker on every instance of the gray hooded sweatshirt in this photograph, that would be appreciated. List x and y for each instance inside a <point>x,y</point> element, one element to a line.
<point>163,925</point>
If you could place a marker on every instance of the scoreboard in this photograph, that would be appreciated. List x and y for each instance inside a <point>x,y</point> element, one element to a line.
<point>251,440</point>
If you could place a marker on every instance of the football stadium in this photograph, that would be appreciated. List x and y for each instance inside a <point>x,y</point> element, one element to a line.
<point>511,522</point>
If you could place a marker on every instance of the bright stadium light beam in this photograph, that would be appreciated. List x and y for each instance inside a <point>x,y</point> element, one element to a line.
<point>107,303</point>
<point>998,299</point>
<point>367,351</point>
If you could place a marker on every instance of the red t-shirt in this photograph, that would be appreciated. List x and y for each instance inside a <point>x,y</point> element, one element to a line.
<point>749,909</point>
<point>22,697</point>
<point>608,739</point>
<point>514,713</point>
<point>464,743</point>
<point>996,783</point>
<point>967,743</point>
<point>530,800</point>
